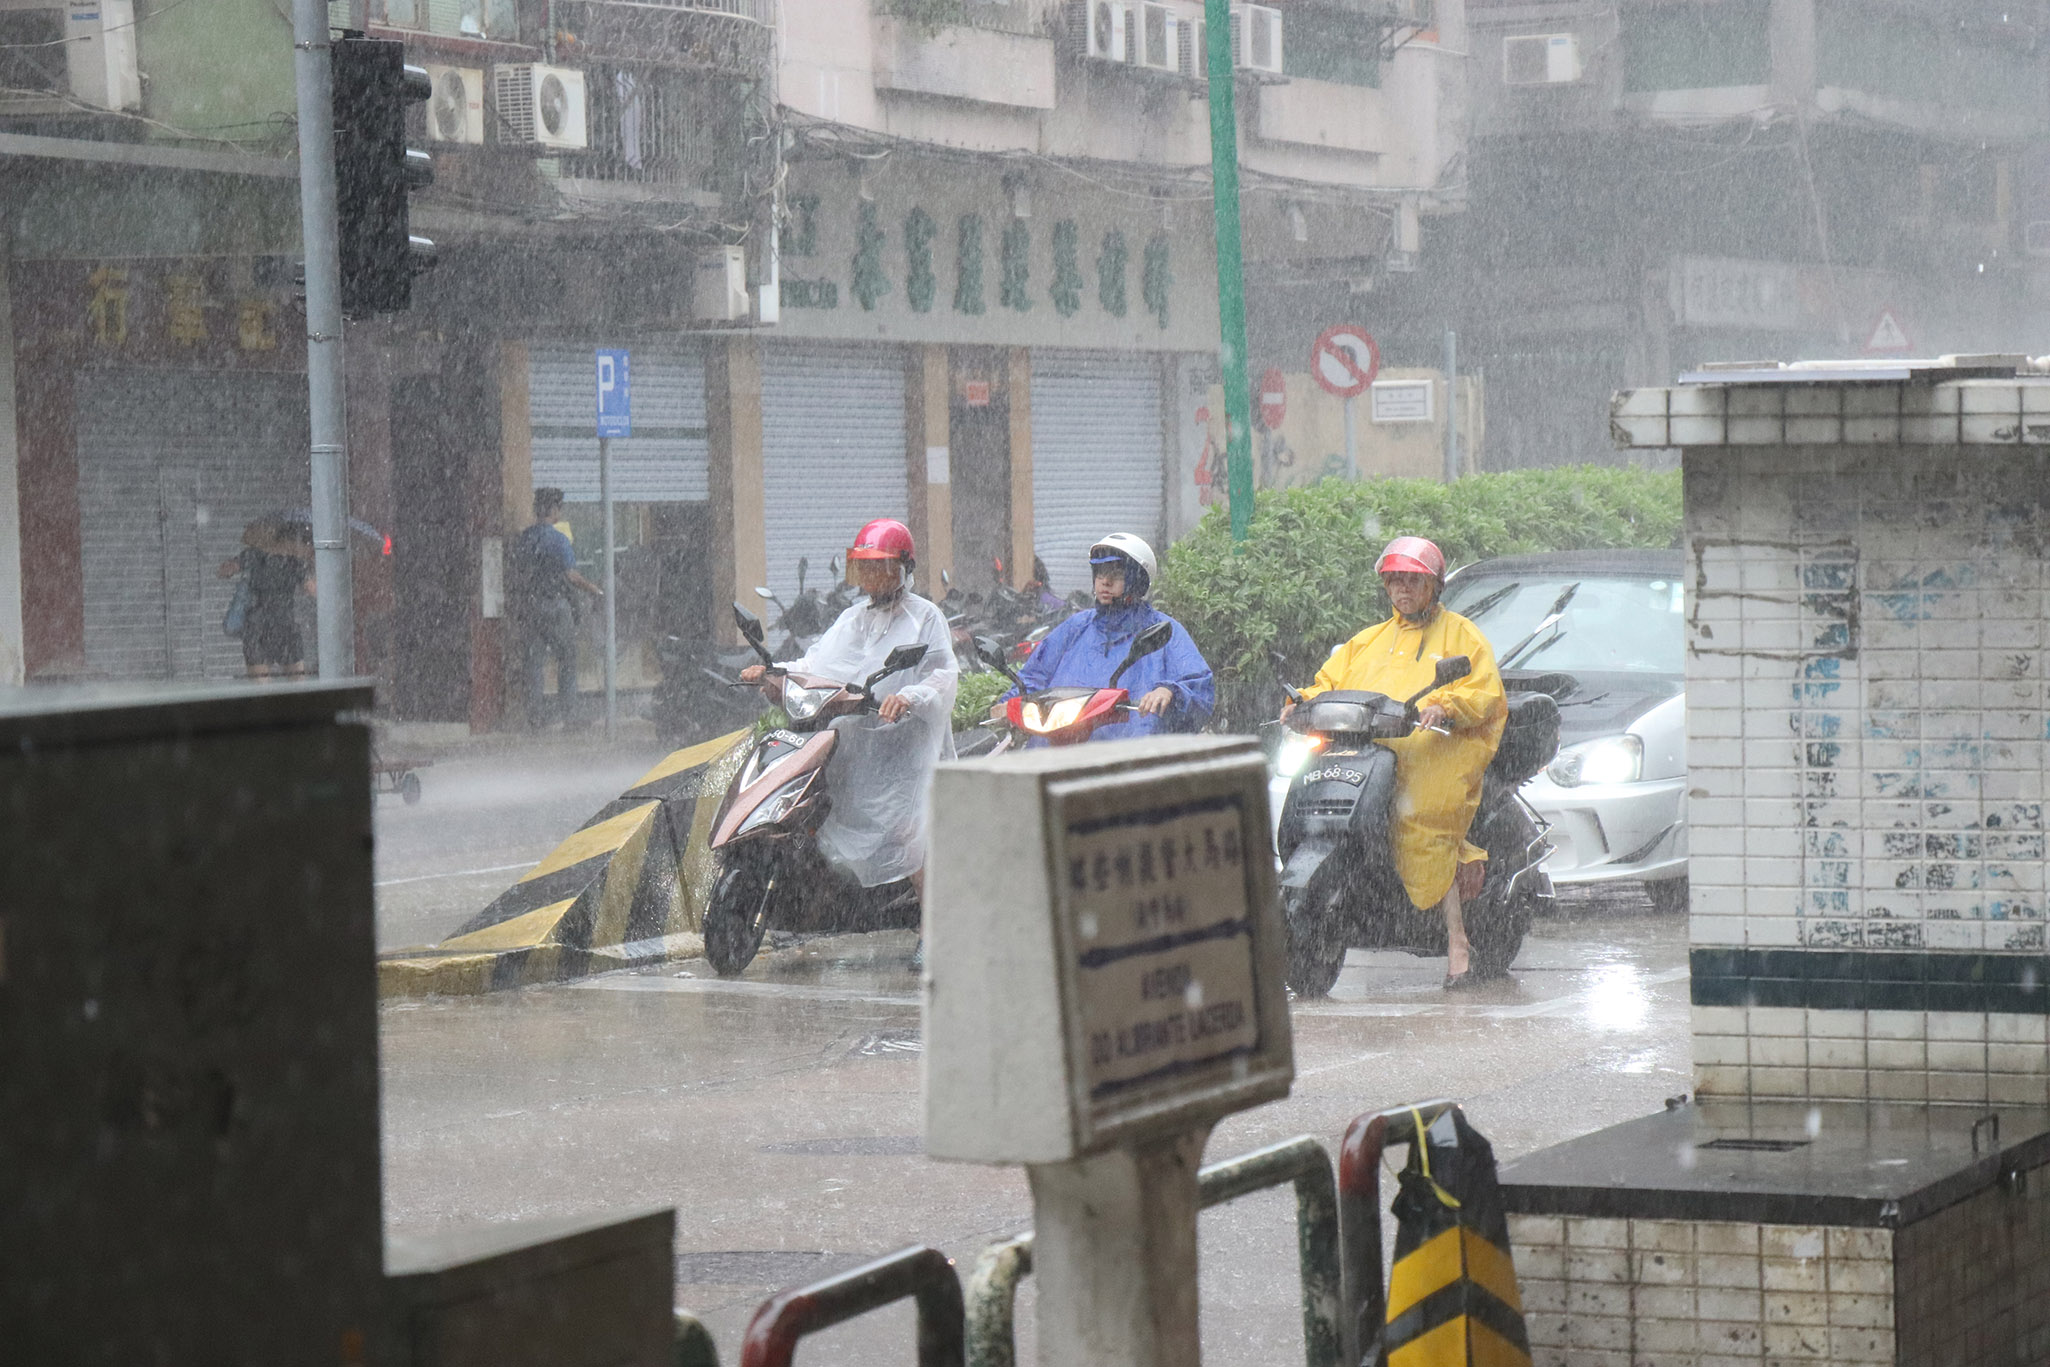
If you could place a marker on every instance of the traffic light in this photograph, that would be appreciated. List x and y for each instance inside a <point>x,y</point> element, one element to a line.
<point>375,171</point>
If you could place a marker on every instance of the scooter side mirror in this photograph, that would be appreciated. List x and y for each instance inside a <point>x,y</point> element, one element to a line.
<point>1453,667</point>
<point>1148,642</point>
<point>902,658</point>
<point>992,654</point>
<point>751,631</point>
<point>765,593</point>
<point>803,564</point>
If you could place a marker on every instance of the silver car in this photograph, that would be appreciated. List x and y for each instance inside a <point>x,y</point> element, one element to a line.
<point>1602,632</point>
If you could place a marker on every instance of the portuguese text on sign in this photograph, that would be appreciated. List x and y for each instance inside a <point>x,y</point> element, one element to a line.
<point>1159,903</point>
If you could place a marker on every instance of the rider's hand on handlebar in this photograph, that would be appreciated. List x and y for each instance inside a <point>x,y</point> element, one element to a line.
<point>999,712</point>
<point>1286,709</point>
<point>1157,701</point>
<point>1435,717</point>
<point>753,673</point>
<point>894,708</point>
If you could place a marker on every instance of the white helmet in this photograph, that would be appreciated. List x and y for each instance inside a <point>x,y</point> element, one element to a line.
<point>1132,552</point>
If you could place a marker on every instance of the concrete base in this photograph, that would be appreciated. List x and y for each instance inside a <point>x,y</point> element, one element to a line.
<point>1782,1232</point>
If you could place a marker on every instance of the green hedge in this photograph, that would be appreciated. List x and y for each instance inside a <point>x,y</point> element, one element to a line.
<point>1304,579</point>
<point>975,695</point>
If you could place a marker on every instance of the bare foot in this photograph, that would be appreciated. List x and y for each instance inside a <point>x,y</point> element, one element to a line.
<point>1459,958</point>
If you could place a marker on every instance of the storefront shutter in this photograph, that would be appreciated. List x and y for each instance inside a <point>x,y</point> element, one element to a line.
<point>1098,455</point>
<point>171,467</point>
<point>664,461</point>
<point>832,452</point>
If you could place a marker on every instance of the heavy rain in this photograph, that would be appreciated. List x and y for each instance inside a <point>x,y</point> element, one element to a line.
<point>975,681</point>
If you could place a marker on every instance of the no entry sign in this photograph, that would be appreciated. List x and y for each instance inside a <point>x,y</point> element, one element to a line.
<point>1345,360</point>
<point>1273,398</point>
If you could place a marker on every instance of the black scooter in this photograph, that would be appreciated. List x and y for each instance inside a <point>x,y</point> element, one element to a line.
<point>1339,887</point>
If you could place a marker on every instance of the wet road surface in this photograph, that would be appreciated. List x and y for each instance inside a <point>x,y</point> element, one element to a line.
<point>779,1113</point>
<point>485,817</point>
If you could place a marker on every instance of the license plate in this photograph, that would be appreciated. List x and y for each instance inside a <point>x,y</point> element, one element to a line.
<point>1335,774</point>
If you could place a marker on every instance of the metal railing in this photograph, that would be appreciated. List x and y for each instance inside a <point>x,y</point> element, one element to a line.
<point>1359,1202</point>
<point>1030,17</point>
<point>1303,1162</point>
<point>923,1274</point>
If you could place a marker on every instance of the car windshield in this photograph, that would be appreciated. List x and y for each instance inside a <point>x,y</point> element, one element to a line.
<point>1611,623</point>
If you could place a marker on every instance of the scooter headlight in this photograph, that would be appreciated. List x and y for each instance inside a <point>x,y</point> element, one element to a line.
<point>1297,750</point>
<point>778,805</point>
<point>1612,759</point>
<point>1055,717</point>
<point>802,704</point>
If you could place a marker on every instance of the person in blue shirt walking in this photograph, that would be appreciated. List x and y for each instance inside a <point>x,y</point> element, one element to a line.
<point>1172,689</point>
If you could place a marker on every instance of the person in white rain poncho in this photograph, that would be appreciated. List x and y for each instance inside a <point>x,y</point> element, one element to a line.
<point>883,764</point>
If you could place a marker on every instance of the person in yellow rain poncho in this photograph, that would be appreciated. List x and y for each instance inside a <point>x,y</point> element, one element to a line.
<point>1437,775</point>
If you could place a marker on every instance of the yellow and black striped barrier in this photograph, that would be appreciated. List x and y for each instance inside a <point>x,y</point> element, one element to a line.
<point>628,887</point>
<point>1452,1298</point>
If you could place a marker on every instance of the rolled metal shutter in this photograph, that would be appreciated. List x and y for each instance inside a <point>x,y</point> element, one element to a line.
<point>664,461</point>
<point>171,467</point>
<point>832,451</point>
<point>1098,455</point>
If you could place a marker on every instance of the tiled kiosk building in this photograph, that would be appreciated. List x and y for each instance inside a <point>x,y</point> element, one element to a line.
<point>1861,1178</point>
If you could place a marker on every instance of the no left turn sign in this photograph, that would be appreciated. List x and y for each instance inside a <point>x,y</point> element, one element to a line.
<point>1345,360</point>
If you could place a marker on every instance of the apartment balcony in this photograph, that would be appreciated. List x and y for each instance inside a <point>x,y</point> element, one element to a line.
<point>991,51</point>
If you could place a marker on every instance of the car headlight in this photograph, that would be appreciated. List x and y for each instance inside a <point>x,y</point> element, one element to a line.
<point>1296,752</point>
<point>802,704</point>
<point>1061,714</point>
<point>777,806</point>
<point>1612,759</point>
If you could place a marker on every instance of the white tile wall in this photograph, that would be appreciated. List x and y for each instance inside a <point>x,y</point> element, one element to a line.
<point>1681,1293</point>
<point>1867,743</point>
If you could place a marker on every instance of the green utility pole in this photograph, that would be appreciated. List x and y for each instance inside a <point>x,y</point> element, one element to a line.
<point>1231,275</point>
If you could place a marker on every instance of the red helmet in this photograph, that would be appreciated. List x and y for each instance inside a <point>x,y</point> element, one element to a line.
<point>1412,555</point>
<point>883,539</point>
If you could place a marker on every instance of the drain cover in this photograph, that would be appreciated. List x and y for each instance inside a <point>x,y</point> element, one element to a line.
<point>1756,1145</point>
<point>856,1146</point>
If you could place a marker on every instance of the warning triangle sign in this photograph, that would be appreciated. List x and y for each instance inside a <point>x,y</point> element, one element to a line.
<point>1888,337</point>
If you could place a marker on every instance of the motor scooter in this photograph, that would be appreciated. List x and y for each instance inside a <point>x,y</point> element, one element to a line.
<point>1068,715</point>
<point>768,869</point>
<point>1339,886</point>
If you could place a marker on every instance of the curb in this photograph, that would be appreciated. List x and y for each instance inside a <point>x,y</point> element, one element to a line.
<point>624,890</point>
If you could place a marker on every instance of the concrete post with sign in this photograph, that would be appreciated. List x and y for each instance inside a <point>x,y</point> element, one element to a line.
<point>1104,962</point>
<point>615,419</point>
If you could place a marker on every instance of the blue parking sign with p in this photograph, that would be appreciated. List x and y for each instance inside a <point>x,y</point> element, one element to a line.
<point>615,395</point>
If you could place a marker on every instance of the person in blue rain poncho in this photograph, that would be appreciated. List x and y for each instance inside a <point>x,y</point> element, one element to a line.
<point>1171,690</point>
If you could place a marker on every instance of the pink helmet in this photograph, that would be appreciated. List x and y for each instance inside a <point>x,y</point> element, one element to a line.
<point>1412,555</point>
<point>883,539</point>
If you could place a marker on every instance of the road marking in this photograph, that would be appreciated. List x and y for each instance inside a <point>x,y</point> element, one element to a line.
<point>458,873</point>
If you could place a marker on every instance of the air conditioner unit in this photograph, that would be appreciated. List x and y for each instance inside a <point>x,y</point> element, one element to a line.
<point>1541,59</point>
<point>99,53</point>
<point>1160,37</point>
<point>1103,30</point>
<point>1256,38</point>
<point>1259,54</point>
<point>719,294</point>
<point>540,106</point>
<point>455,111</point>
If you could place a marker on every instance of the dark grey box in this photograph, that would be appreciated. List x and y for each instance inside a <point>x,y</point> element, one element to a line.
<point>188,1030</point>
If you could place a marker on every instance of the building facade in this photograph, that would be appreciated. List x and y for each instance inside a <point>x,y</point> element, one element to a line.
<point>1661,183</point>
<point>952,262</point>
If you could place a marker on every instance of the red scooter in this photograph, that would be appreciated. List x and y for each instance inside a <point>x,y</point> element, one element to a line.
<point>768,868</point>
<point>1068,715</point>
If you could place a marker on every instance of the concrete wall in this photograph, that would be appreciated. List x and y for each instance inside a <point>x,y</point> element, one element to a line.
<point>1867,745</point>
